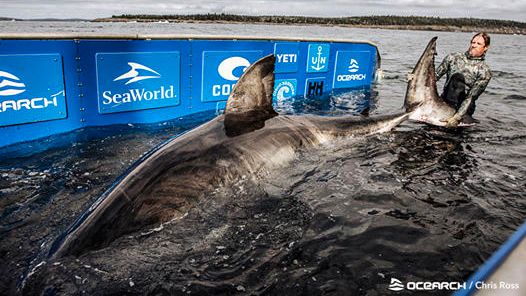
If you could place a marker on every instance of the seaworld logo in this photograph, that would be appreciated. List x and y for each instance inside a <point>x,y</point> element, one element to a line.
<point>137,73</point>
<point>138,95</point>
<point>10,85</point>
<point>134,75</point>
<point>132,81</point>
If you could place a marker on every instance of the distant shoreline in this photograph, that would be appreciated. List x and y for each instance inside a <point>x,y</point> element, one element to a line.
<point>376,22</point>
<point>373,22</point>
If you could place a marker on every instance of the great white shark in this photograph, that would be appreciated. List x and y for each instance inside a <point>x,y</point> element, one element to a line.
<point>247,138</point>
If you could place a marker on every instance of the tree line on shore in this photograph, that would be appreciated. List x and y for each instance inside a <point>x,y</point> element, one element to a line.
<point>388,20</point>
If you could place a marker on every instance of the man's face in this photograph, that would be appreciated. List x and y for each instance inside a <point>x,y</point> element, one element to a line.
<point>478,47</point>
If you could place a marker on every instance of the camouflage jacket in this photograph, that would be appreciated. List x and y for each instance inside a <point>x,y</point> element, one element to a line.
<point>474,69</point>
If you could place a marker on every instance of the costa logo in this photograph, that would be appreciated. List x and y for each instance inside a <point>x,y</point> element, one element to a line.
<point>226,68</point>
<point>222,69</point>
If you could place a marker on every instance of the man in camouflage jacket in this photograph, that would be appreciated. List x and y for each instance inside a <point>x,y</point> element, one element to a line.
<point>467,76</point>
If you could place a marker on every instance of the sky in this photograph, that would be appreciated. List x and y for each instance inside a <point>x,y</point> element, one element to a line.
<point>89,9</point>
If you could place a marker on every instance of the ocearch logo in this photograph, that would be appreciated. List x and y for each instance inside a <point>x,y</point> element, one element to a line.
<point>31,103</point>
<point>396,285</point>
<point>353,66</point>
<point>133,74</point>
<point>226,68</point>
<point>10,85</point>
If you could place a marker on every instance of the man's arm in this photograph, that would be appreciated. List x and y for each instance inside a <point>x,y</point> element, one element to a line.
<point>444,67</point>
<point>477,89</point>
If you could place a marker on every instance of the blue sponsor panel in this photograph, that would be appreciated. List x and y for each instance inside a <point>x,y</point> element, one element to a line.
<point>221,70</point>
<point>88,77</point>
<point>31,88</point>
<point>352,69</point>
<point>318,58</point>
<point>134,79</point>
<point>220,107</point>
<point>316,87</point>
<point>137,81</point>
<point>286,54</point>
<point>284,89</point>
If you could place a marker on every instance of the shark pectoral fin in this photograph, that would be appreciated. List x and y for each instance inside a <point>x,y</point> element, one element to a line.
<point>250,102</point>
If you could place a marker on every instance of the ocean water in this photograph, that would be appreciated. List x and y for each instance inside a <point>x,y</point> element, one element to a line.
<point>417,204</point>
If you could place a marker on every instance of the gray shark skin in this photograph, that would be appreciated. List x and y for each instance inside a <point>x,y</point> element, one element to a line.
<point>421,95</point>
<point>249,137</point>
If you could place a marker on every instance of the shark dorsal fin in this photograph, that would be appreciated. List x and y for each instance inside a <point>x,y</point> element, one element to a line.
<point>250,102</point>
<point>253,91</point>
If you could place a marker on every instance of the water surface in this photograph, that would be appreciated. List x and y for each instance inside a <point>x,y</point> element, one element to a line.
<point>417,203</point>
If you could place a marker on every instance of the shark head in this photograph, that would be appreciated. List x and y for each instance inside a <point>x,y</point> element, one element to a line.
<point>421,99</point>
<point>422,87</point>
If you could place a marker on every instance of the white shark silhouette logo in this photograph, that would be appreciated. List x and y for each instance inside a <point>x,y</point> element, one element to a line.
<point>396,285</point>
<point>353,66</point>
<point>227,67</point>
<point>134,75</point>
<point>9,85</point>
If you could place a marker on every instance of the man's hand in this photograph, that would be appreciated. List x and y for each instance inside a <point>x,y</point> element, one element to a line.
<point>452,121</point>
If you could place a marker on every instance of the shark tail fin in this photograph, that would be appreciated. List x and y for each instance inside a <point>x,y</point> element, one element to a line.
<point>250,102</point>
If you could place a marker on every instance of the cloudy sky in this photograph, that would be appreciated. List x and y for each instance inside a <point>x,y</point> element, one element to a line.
<point>88,9</point>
